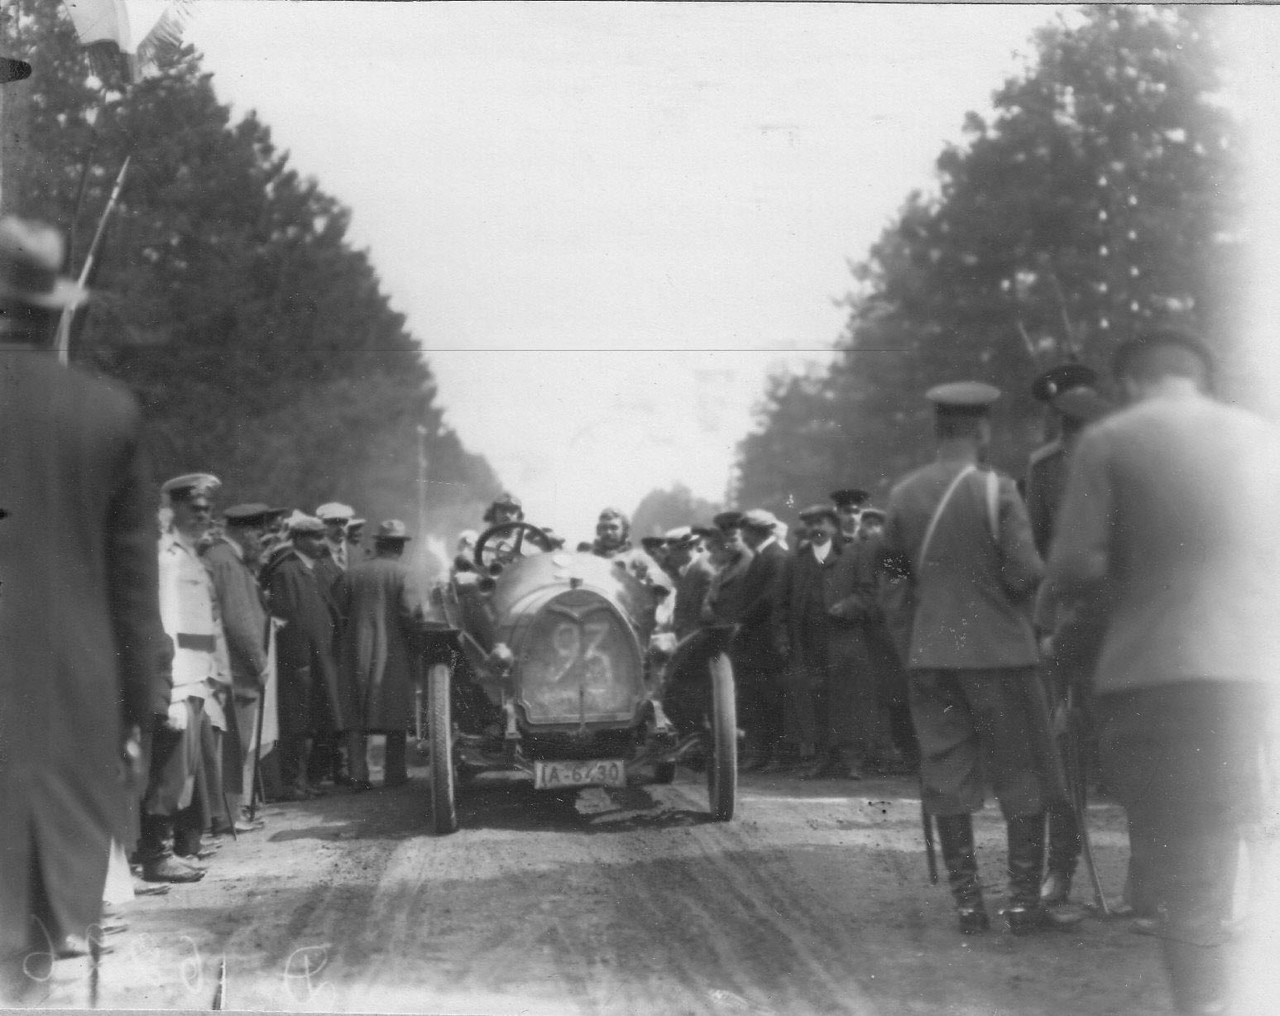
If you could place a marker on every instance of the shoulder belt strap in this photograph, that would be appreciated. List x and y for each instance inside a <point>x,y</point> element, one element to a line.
<point>937,515</point>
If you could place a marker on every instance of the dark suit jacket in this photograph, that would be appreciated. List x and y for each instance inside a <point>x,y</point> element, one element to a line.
<point>758,638</point>
<point>691,596</point>
<point>79,629</point>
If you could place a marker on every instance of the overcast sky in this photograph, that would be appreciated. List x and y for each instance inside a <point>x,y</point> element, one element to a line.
<point>606,223</point>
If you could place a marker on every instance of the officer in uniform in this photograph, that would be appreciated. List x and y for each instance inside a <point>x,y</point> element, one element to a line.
<point>961,534</point>
<point>1069,392</point>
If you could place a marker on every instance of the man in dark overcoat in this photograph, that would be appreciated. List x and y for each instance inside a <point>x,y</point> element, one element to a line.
<point>79,618</point>
<point>382,603</point>
<point>961,533</point>
<point>757,650</point>
<point>692,575</point>
<point>233,559</point>
<point>1167,515</point>
<point>314,697</point>
<point>827,599</point>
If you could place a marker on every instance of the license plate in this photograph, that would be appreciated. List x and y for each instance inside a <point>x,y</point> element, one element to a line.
<point>609,772</point>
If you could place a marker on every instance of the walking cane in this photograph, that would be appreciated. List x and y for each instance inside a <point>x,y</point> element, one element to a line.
<point>930,851</point>
<point>1079,802</point>
<point>256,782</point>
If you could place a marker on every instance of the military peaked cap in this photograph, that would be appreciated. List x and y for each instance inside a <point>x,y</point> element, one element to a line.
<point>853,497</point>
<point>964,398</point>
<point>1063,378</point>
<point>190,485</point>
<point>335,511</point>
<point>254,513</point>
<point>758,518</point>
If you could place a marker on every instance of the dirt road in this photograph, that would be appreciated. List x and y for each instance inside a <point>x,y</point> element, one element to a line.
<point>813,900</point>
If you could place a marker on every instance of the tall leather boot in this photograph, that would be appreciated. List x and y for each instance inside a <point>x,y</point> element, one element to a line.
<point>955,835</point>
<point>1064,854</point>
<point>1025,912</point>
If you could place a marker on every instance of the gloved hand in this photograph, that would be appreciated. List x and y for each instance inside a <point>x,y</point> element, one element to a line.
<point>177,716</point>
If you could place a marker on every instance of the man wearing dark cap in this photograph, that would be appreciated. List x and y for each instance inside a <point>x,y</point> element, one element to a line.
<point>1166,515</point>
<point>233,561</point>
<point>1047,469</point>
<point>849,502</point>
<point>314,698</point>
<point>1070,394</point>
<point>961,534</point>
<point>382,603</point>
<point>757,650</point>
<point>829,594</point>
<point>730,557</point>
<point>79,623</point>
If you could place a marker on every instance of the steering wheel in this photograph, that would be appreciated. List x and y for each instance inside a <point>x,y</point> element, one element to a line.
<point>486,555</point>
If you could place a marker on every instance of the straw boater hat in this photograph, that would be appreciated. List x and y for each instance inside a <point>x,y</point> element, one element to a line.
<point>31,258</point>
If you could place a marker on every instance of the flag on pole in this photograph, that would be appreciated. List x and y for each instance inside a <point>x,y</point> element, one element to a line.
<point>129,34</point>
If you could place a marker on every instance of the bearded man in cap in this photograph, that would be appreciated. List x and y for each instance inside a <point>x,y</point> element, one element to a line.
<point>1166,518</point>
<point>758,649</point>
<point>79,621</point>
<point>961,534</point>
<point>314,697</point>
<point>383,604</point>
<point>233,561</point>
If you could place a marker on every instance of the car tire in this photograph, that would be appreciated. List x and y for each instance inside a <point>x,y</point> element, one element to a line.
<point>444,806</point>
<point>722,765</point>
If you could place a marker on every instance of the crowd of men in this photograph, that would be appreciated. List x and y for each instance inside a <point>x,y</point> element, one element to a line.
<point>1123,593</point>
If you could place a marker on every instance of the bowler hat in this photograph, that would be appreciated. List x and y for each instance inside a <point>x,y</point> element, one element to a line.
<point>31,257</point>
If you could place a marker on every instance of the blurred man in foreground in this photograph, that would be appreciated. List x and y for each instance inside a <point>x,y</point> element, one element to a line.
<point>79,625</point>
<point>1167,512</point>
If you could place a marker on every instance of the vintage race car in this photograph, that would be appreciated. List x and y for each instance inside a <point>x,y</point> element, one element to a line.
<point>542,662</point>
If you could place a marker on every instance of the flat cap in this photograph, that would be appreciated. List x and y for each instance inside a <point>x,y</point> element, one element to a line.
<point>392,529</point>
<point>963,397</point>
<point>652,543</point>
<point>678,533</point>
<point>335,511</point>
<point>759,518</point>
<point>300,523</point>
<point>874,513</point>
<point>252,513</point>
<point>727,520</point>
<point>820,511</point>
<point>854,497</point>
<point>190,485</point>
<point>1062,378</point>
<point>705,532</point>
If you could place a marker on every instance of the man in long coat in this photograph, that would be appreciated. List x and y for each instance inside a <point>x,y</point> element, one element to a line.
<point>314,698</point>
<point>79,625</point>
<point>382,602</point>
<point>232,560</point>
<point>962,535</point>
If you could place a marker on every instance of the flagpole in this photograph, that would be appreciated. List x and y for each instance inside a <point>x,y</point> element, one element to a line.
<point>63,341</point>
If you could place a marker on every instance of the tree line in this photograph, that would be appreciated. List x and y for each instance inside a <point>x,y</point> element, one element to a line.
<point>1103,195</point>
<point>228,297</point>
